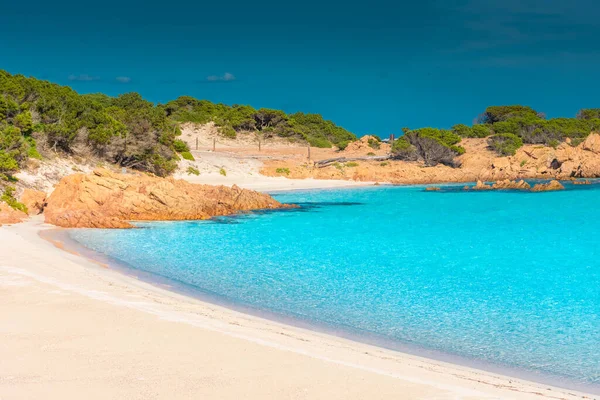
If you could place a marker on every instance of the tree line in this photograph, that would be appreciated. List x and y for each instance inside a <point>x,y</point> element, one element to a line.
<point>506,128</point>
<point>268,123</point>
<point>129,130</point>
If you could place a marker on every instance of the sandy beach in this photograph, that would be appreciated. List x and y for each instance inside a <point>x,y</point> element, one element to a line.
<point>71,329</point>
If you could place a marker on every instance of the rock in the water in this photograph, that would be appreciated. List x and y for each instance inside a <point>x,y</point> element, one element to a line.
<point>105,199</point>
<point>585,182</point>
<point>34,200</point>
<point>9,215</point>
<point>432,189</point>
<point>481,186</point>
<point>548,187</point>
<point>508,184</point>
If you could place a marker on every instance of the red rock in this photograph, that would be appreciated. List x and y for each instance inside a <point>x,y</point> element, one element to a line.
<point>9,215</point>
<point>105,199</point>
<point>547,187</point>
<point>508,184</point>
<point>592,143</point>
<point>481,186</point>
<point>34,200</point>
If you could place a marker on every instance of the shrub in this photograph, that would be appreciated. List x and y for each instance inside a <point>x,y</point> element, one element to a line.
<point>458,149</point>
<point>577,141</point>
<point>374,143</point>
<point>283,171</point>
<point>351,164</point>
<point>319,142</point>
<point>343,144</point>
<point>8,164</point>
<point>193,171</point>
<point>495,114</point>
<point>180,146</point>
<point>126,130</point>
<point>370,153</point>
<point>223,172</point>
<point>228,132</point>
<point>589,113</point>
<point>404,150</point>
<point>481,131</point>
<point>477,131</point>
<point>553,143</point>
<point>186,155</point>
<point>505,144</point>
<point>9,198</point>
<point>462,130</point>
<point>384,164</point>
<point>433,146</point>
<point>523,162</point>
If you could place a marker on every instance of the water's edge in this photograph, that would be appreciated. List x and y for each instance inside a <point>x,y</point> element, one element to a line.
<point>60,238</point>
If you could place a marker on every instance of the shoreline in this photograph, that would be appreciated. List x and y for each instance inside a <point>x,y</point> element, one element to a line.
<point>60,238</point>
<point>333,351</point>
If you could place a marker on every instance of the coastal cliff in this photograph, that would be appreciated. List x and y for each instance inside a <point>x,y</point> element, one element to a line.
<point>105,199</point>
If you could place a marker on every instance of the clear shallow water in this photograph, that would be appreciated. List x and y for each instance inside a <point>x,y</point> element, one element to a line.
<point>506,278</point>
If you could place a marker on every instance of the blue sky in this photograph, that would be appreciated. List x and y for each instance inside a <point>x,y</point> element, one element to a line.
<point>372,67</point>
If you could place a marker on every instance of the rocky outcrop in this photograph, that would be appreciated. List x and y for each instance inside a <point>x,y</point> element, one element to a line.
<point>482,186</point>
<point>34,200</point>
<point>9,215</point>
<point>548,187</point>
<point>478,163</point>
<point>585,182</point>
<point>513,185</point>
<point>363,147</point>
<point>506,184</point>
<point>592,143</point>
<point>105,199</point>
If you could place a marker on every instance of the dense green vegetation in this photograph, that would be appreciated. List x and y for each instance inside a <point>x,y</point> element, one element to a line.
<point>8,196</point>
<point>269,123</point>
<point>193,171</point>
<point>506,127</point>
<point>433,146</point>
<point>505,144</point>
<point>532,127</point>
<point>128,130</point>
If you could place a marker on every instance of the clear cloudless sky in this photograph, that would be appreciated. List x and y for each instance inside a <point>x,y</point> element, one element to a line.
<point>371,67</point>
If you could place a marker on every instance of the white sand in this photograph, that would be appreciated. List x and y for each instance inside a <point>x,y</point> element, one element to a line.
<point>71,329</point>
<point>243,171</point>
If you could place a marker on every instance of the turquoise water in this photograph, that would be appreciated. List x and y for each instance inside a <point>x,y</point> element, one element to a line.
<point>500,279</point>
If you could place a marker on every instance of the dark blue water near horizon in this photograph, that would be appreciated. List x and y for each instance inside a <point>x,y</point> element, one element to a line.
<point>505,278</point>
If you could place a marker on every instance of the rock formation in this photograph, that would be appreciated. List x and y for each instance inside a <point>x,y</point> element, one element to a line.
<point>478,162</point>
<point>105,199</point>
<point>34,200</point>
<point>9,215</point>
<point>362,147</point>
<point>514,185</point>
<point>592,143</point>
<point>482,186</point>
<point>548,187</point>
